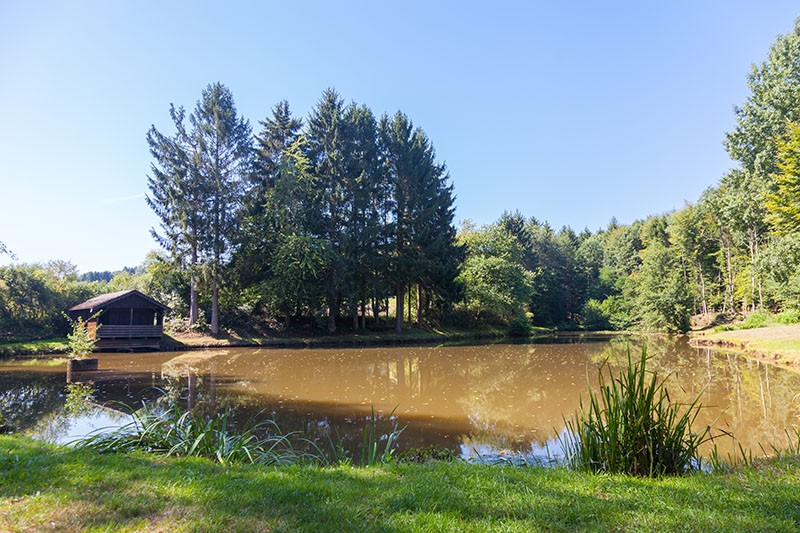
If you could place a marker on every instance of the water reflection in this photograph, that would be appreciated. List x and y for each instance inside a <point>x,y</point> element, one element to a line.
<point>467,398</point>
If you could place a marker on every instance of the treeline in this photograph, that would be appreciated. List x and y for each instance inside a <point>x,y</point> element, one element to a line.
<point>737,249</point>
<point>342,218</point>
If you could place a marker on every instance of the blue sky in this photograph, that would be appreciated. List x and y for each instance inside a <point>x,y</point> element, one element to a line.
<point>570,112</point>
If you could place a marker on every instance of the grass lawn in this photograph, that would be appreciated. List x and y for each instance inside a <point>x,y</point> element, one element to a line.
<point>779,343</point>
<point>40,347</point>
<point>48,489</point>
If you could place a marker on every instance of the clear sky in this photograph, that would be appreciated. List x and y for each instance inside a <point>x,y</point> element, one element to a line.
<point>572,112</point>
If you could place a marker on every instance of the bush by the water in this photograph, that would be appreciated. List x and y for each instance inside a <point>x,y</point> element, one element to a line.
<point>630,426</point>
<point>790,316</point>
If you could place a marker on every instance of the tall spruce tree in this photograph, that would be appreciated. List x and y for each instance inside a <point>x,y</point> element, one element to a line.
<point>222,158</point>
<point>422,236</point>
<point>326,150</point>
<point>262,225</point>
<point>365,190</point>
<point>177,196</point>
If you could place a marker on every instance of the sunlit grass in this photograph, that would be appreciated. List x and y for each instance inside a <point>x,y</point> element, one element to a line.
<point>37,361</point>
<point>49,488</point>
<point>45,346</point>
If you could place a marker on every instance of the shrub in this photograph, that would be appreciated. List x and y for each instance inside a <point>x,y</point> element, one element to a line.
<point>519,326</point>
<point>630,426</point>
<point>756,319</point>
<point>79,341</point>
<point>789,316</point>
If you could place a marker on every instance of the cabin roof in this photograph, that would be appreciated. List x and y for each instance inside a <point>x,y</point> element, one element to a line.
<point>111,297</point>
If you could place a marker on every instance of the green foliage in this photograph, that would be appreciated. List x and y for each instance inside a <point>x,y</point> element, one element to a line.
<point>789,316</point>
<point>80,341</point>
<point>32,298</point>
<point>631,426</point>
<point>784,202</point>
<point>495,281</point>
<point>520,325</point>
<point>662,299</point>
<point>756,319</point>
<point>595,316</point>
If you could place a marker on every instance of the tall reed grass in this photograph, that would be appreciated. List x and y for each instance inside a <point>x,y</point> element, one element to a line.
<point>630,425</point>
<point>373,452</point>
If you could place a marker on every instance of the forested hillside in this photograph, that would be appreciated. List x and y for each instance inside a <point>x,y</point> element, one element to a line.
<point>345,219</point>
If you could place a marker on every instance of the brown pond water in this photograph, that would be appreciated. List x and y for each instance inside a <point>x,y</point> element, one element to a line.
<point>488,398</point>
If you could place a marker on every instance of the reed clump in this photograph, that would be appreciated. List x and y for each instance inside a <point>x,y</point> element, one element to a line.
<point>630,426</point>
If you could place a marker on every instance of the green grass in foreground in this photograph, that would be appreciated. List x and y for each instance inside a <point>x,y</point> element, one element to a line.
<point>45,488</point>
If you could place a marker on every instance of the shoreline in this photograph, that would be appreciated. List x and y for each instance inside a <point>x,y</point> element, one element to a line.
<point>178,342</point>
<point>778,344</point>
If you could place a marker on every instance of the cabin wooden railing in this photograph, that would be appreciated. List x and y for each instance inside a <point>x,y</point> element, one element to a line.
<point>107,331</point>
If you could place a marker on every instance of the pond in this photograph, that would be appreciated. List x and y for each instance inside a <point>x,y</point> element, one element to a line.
<point>475,399</point>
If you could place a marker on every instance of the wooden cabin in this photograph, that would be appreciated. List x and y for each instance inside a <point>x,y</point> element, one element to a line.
<point>127,320</point>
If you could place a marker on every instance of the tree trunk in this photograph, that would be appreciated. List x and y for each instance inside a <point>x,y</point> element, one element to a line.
<point>400,293</point>
<point>419,302</point>
<point>193,290</point>
<point>355,315</point>
<point>363,314</point>
<point>331,314</point>
<point>410,287</point>
<point>215,268</point>
<point>214,304</point>
<point>702,287</point>
<point>731,287</point>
